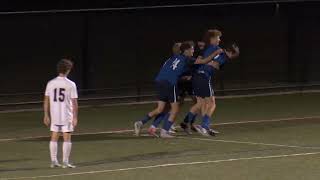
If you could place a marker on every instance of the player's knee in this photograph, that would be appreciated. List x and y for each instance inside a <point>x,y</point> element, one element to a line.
<point>159,110</point>
<point>67,137</point>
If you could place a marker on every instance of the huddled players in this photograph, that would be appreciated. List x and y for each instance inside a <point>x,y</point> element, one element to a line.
<point>202,86</point>
<point>192,77</point>
<point>167,88</point>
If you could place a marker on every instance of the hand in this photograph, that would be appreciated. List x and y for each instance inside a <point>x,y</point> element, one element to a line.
<point>75,122</point>
<point>220,51</point>
<point>236,49</point>
<point>46,120</point>
<point>230,54</point>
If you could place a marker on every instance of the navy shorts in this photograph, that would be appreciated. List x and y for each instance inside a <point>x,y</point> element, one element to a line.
<point>185,88</point>
<point>167,92</point>
<point>202,86</point>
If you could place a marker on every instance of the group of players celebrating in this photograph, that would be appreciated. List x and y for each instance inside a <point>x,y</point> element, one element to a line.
<point>188,72</point>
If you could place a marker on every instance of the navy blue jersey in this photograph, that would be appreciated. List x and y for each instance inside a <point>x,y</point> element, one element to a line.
<point>206,69</point>
<point>174,68</point>
<point>221,59</point>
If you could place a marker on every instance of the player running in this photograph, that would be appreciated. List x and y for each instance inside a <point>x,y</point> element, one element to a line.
<point>61,112</point>
<point>166,83</point>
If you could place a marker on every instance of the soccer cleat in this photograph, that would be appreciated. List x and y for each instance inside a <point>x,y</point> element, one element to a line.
<point>55,164</point>
<point>201,130</point>
<point>165,134</point>
<point>172,131</point>
<point>67,165</point>
<point>186,128</point>
<point>173,128</point>
<point>213,132</point>
<point>153,132</point>
<point>137,127</point>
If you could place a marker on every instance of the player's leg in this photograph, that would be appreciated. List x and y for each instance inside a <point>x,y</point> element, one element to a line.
<point>67,146</point>
<point>172,96</point>
<point>194,91</point>
<point>158,119</point>
<point>162,91</point>
<point>191,116</point>
<point>208,110</point>
<point>53,146</point>
<point>211,109</point>
<point>170,120</point>
<point>138,125</point>
<point>196,111</point>
<point>205,92</point>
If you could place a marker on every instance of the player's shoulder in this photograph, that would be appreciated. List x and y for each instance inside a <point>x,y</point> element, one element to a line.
<point>51,81</point>
<point>70,82</point>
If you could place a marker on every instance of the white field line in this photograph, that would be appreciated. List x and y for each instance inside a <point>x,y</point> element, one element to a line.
<point>250,143</point>
<point>131,130</point>
<point>188,99</point>
<point>166,165</point>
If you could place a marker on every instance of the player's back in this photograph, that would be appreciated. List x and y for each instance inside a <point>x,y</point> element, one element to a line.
<point>173,68</point>
<point>61,91</point>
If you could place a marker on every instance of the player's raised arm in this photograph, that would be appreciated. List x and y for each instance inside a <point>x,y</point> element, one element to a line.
<point>233,51</point>
<point>201,60</point>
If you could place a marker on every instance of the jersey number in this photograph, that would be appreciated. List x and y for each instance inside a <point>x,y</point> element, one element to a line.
<point>175,64</point>
<point>59,94</point>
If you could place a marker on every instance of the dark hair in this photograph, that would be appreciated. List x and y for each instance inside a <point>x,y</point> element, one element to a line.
<point>64,65</point>
<point>186,45</point>
<point>211,33</point>
<point>176,48</point>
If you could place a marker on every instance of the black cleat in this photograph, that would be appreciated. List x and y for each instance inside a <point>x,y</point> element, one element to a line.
<point>212,132</point>
<point>193,128</point>
<point>185,127</point>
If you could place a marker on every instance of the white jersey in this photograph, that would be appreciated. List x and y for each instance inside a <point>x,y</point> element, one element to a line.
<point>61,91</point>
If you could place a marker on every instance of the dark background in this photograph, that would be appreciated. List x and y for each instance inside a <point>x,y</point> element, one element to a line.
<point>279,42</point>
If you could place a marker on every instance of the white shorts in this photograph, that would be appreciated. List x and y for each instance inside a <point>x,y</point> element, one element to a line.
<point>62,128</point>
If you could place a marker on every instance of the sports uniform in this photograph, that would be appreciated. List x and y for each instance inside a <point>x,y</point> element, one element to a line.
<point>167,78</point>
<point>61,91</point>
<point>201,79</point>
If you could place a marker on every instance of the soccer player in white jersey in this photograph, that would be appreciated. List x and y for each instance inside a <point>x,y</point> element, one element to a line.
<point>61,112</point>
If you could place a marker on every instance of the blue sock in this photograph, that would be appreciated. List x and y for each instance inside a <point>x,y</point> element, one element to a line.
<point>193,119</point>
<point>205,122</point>
<point>145,119</point>
<point>167,124</point>
<point>188,117</point>
<point>159,118</point>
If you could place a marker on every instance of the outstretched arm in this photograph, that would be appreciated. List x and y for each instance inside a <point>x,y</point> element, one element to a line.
<point>206,60</point>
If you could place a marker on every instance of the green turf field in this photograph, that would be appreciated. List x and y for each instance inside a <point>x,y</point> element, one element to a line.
<point>283,144</point>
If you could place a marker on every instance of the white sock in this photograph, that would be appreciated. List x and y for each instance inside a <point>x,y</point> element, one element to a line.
<point>53,146</point>
<point>66,149</point>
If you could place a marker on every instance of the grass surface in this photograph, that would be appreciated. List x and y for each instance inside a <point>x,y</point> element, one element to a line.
<point>242,151</point>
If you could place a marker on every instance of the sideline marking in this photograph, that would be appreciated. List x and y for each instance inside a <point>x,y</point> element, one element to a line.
<point>164,165</point>
<point>250,143</point>
<point>131,130</point>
